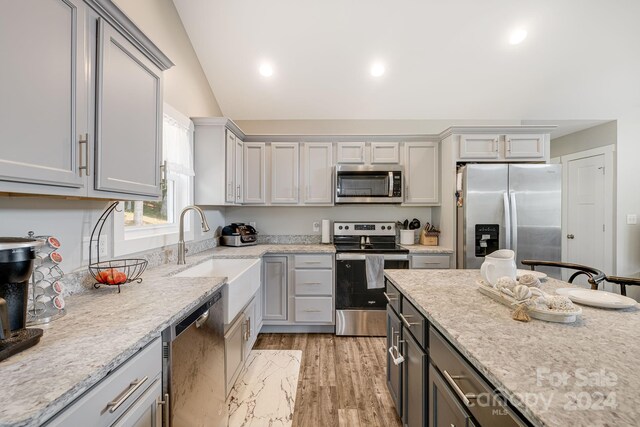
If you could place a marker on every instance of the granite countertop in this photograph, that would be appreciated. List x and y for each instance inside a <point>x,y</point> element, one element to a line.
<point>72,356</point>
<point>100,331</point>
<point>422,249</point>
<point>256,251</point>
<point>576,374</point>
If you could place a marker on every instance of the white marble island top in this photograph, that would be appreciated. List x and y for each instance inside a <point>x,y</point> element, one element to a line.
<point>100,331</point>
<point>581,374</point>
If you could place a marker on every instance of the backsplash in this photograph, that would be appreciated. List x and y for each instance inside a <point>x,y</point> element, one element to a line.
<point>81,281</point>
<point>289,239</point>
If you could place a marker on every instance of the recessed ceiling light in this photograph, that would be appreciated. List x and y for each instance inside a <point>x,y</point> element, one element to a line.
<point>377,69</point>
<point>266,70</point>
<point>517,36</point>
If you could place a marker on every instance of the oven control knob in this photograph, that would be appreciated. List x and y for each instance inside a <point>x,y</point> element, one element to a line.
<point>340,228</point>
<point>346,227</point>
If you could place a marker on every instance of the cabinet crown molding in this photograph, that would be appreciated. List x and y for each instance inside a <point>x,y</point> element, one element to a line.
<point>496,129</point>
<point>117,18</point>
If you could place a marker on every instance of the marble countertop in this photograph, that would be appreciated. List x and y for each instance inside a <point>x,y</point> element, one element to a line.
<point>580,374</point>
<point>422,249</point>
<point>100,331</point>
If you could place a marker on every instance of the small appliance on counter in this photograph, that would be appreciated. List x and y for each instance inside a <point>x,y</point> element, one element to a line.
<point>17,257</point>
<point>45,296</point>
<point>238,234</point>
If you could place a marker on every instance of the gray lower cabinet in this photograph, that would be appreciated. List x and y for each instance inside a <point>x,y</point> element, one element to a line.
<point>394,347</point>
<point>128,396</point>
<point>438,261</point>
<point>444,409</point>
<point>82,101</point>
<point>234,342</point>
<point>414,378</point>
<point>274,288</point>
<point>145,412</point>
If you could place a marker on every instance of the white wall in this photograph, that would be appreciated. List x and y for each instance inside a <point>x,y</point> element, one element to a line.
<point>628,162</point>
<point>299,220</point>
<point>71,221</point>
<point>185,86</point>
<point>597,136</point>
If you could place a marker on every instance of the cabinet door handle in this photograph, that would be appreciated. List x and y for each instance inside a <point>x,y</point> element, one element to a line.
<point>84,141</point>
<point>167,408</point>
<point>312,311</point>
<point>406,322</point>
<point>495,145</point>
<point>133,387</point>
<point>463,396</point>
<point>390,297</point>
<point>238,192</point>
<point>508,145</point>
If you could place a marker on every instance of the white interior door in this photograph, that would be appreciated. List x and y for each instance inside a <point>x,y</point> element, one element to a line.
<point>585,226</point>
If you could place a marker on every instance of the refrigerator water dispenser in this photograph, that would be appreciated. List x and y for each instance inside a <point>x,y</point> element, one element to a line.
<point>487,239</point>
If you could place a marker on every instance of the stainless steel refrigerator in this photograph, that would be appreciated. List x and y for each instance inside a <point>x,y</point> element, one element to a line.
<point>510,206</point>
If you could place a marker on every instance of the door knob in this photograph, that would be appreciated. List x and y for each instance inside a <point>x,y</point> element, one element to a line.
<point>570,236</point>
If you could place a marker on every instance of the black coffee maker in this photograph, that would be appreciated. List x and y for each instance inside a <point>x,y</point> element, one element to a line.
<point>17,257</point>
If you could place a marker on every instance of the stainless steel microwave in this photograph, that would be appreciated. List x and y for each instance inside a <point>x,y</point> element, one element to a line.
<point>369,184</point>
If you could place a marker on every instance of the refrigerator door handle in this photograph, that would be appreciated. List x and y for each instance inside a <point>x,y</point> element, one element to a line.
<point>507,222</point>
<point>514,224</point>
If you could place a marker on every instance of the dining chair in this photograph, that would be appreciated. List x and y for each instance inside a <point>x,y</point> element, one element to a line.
<point>594,276</point>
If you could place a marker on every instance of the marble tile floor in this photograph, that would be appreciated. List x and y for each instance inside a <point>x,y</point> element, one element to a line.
<point>265,393</point>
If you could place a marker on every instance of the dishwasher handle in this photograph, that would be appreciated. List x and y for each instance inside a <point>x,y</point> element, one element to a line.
<point>202,319</point>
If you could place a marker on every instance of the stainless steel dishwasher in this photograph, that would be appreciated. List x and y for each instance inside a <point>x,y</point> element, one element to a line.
<point>193,368</point>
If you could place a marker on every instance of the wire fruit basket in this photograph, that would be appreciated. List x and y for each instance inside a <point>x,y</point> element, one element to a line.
<point>115,272</point>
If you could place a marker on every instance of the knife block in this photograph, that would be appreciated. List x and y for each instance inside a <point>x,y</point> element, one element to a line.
<point>429,239</point>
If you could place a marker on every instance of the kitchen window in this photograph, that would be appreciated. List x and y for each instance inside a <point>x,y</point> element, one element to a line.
<point>143,225</point>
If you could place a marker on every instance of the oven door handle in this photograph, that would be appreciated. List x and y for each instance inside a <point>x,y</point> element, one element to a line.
<point>362,257</point>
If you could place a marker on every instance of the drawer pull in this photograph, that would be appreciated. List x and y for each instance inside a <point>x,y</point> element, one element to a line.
<point>463,396</point>
<point>133,387</point>
<point>313,262</point>
<point>390,297</point>
<point>312,283</point>
<point>406,322</point>
<point>312,311</point>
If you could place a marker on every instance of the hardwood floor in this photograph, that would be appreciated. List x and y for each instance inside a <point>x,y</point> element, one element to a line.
<point>342,380</point>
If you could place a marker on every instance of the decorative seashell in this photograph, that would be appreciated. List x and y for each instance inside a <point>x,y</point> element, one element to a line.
<point>521,292</point>
<point>505,282</point>
<point>529,280</point>
<point>520,313</point>
<point>559,302</point>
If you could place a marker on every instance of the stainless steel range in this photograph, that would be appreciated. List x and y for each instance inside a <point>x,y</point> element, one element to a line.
<point>359,310</point>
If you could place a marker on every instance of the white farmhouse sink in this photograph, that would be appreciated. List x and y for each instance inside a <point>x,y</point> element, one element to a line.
<point>243,278</point>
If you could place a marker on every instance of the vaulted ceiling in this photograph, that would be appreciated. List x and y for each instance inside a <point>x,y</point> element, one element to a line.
<point>442,59</point>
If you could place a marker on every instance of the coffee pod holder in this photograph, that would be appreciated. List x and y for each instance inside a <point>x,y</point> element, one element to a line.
<point>115,272</point>
<point>45,300</point>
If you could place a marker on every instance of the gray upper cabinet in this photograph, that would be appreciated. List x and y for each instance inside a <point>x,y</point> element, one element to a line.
<point>128,117</point>
<point>81,110</point>
<point>44,90</point>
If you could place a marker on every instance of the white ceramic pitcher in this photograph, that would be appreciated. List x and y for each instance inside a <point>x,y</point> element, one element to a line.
<point>498,264</point>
